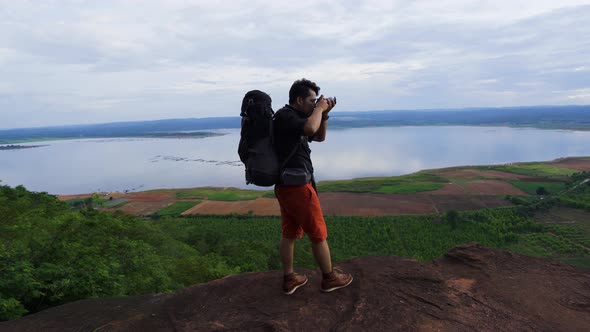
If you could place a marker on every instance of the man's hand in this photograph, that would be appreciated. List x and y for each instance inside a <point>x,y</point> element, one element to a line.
<point>326,104</point>
<point>318,117</point>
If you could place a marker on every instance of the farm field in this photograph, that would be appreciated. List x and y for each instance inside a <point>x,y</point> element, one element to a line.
<point>430,191</point>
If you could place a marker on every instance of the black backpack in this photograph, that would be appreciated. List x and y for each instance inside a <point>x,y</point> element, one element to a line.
<point>256,147</point>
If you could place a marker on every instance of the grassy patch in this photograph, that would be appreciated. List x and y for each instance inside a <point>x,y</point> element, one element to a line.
<point>115,203</point>
<point>75,202</point>
<point>534,169</point>
<point>566,236</point>
<point>95,201</point>
<point>176,208</point>
<point>531,187</point>
<point>269,194</point>
<point>579,198</point>
<point>581,262</point>
<point>407,236</point>
<point>396,184</point>
<point>220,194</point>
<point>566,243</point>
<point>118,205</point>
<point>408,188</point>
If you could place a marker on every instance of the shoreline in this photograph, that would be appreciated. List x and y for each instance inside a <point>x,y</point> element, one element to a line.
<point>260,189</point>
<point>336,126</point>
<point>163,136</point>
<point>19,147</point>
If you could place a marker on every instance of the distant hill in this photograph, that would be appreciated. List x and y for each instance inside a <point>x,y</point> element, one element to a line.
<point>157,128</point>
<point>557,117</point>
<point>554,117</point>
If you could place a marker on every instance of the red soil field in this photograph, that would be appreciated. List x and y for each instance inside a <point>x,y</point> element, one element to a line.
<point>69,197</point>
<point>259,206</point>
<point>472,173</point>
<point>374,204</point>
<point>491,187</point>
<point>449,189</point>
<point>542,180</point>
<point>573,163</point>
<point>354,204</point>
<point>142,208</point>
<point>149,196</point>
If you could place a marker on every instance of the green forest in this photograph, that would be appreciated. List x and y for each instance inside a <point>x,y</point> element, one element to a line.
<point>52,253</point>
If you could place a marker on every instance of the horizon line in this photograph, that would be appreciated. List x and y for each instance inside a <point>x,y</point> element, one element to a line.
<point>473,108</point>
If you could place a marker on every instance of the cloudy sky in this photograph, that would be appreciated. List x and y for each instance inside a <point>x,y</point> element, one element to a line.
<point>75,62</point>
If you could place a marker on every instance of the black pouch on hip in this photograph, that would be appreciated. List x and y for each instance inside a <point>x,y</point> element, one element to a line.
<point>295,176</point>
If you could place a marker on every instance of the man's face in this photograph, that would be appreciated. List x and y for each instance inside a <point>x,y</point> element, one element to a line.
<point>308,103</point>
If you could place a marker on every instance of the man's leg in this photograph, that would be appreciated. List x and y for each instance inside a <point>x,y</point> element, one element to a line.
<point>331,280</point>
<point>321,252</point>
<point>286,251</point>
<point>290,230</point>
<point>291,280</point>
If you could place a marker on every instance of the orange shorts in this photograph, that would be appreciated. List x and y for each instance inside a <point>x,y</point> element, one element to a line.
<point>301,212</point>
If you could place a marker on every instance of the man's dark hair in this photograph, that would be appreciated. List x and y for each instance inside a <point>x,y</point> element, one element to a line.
<point>300,88</point>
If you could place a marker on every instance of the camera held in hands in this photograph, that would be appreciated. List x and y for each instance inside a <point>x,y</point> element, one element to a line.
<point>332,99</point>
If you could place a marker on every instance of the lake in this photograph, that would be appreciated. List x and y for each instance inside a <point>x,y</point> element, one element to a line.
<point>135,164</point>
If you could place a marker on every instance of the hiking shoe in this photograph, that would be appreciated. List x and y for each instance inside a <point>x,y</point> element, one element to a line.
<point>293,281</point>
<point>335,280</point>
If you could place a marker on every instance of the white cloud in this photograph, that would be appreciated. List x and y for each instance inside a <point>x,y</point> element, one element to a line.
<point>488,81</point>
<point>81,62</point>
<point>583,94</point>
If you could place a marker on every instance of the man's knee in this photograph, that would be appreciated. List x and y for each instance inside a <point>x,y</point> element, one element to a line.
<point>318,242</point>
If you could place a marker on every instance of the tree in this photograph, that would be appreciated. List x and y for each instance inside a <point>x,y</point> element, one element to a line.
<point>452,217</point>
<point>542,191</point>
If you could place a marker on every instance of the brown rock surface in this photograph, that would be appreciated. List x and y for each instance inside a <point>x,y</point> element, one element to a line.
<point>472,288</point>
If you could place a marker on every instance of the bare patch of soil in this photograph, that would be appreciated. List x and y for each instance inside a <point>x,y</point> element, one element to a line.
<point>475,173</point>
<point>259,206</point>
<point>69,197</point>
<point>449,189</point>
<point>491,187</point>
<point>150,196</point>
<point>573,163</point>
<point>374,204</point>
<point>525,179</point>
<point>142,208</point>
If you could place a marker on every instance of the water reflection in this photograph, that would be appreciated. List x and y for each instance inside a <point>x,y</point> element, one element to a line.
<point>148,163</point>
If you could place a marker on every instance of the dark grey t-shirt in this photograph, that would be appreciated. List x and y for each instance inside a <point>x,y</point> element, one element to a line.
<point>288,132</point>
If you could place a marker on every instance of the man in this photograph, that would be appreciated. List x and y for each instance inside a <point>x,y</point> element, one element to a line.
<point>302,121</point>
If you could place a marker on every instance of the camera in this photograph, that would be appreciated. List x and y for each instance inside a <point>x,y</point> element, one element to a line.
<point>332,99</point>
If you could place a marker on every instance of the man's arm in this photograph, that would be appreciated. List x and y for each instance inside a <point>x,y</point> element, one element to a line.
<point>320,135</point>
<point>314,121</point>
